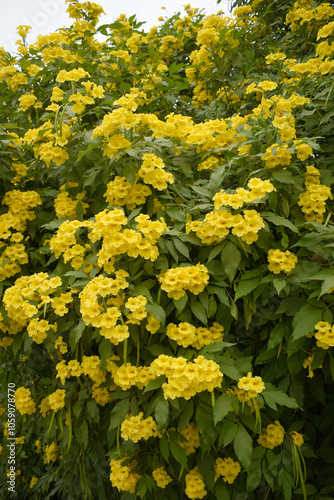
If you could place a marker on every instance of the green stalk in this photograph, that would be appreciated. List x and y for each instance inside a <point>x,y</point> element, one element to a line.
<point>213,400</point>
<point>52,419</point>
<point>69,427</point>
<point>125,351</point>
<point>118,443</point>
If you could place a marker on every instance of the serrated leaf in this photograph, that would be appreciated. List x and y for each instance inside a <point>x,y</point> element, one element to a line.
<point>279,284</point>
<point>279,397</point>
<point>216,178</point>
<point>177,214</point>
<point>164,447</point>
<point>276,336</point>
<point>180,304</point>
<point>327,285</point>
<point>245,287</point>
<point>243,446</point>
<point>179,454</point>
<point>279,221</point>
<point>119,413</point>
<point>161,411</point>
<point>76,334</point>
<point>215,251</point>
<point>157,311</point>
<point>199,311</point>
<point>230,257</point>
<point>305,320</point>
<point>154,384</point>
<point>222,408</point>
<point>181,247</point>
<point>186,415</point>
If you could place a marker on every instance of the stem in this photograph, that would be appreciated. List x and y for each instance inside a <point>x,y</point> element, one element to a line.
<point>52,419</point>
<point>125,351</point>
<point>213,400</point>
<point>138,350</point>
<point>327,219</point>
<point>118,443</point>
<point>69,427</point>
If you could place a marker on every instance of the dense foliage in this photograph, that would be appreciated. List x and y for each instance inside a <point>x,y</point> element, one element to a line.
<point>166,256</point>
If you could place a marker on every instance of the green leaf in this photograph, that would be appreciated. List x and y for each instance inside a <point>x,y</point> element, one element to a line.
<point>181,247</point>
<point>245,287</point>
<point>272,397</point>
<point>76,334</point>
<point>158,312</point>
<point>199,311</point>
<point>172,250</point>
<point>105,350</point>
<point>230,257</point>
<point>215,251</point>
<point>327,285</point>
<point>243,446</point>
<point>222,408</point>
<point>180,304</point>
<point>230,434</point>
<point>16,344</point>
<point>276,336</point>
<point>119,413</point>
<point>154,384</point>
<point>177,214</point>
<point>216,178</point>
<point>305,320</point>
<point>161,411</point>
<point>164,447</point>
<point>179,454</point>
<point>93,410</point>
<point>279,284</point>
<point>186,415</point>
<point>279,221</point>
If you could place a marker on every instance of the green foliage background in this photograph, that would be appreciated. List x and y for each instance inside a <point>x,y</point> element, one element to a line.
<point>267,317</point>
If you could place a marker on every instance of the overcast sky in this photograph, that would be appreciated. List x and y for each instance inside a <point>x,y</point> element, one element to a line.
<point>46,16</point>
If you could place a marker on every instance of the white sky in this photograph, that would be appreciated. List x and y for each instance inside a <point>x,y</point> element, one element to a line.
<point>46,16</point>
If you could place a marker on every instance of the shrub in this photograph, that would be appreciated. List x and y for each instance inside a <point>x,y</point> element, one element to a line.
<point>167,256</point>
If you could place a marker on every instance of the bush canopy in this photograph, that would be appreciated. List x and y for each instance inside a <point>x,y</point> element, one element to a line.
<point>166,256</point>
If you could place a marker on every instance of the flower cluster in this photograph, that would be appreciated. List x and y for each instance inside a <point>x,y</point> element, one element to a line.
<point>281,261</point>
<point>132,242</point>
<point>121,192</point>
<point>95,308</point>
<point>191,434</point>
<point>12,225</point>
<point>185,379</point>
<point>65,205</point>
<point>227,468</point>
<point>277,155</point>
<point>253,385</point>
<point>65,242</point>
<point>122,476</point>
<point>272,436</point>
<point>153,173</point>
<point>186,334</point>
<point>137,427</point>
<point>161,477</point>
<point>216,225</point>
<point>176,281</point>
<point>324,334</point>
<point>24,300</point>
<point>195,486</point>
<point>24,402</point>
<point>258,189</point>
<point>313,200</point>
<point>51,453</point>
<point>128,375</point>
